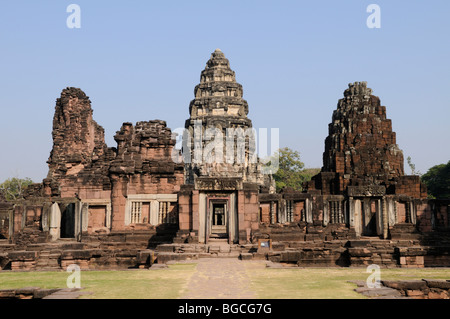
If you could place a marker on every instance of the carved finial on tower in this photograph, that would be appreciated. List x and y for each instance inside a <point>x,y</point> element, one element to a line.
<point>358,89</point>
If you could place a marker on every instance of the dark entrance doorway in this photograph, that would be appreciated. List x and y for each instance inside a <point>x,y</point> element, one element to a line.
<point>218,219</point>
<point>68,222</point>
<point>4,226</point>
<point>369,209</point>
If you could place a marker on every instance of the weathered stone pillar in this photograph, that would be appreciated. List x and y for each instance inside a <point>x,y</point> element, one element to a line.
<point>45,216</point>
<point>84,217</point>
<point>233,228</point>
<point>385,220</point>
<point>272,214</point>
<point>78,220</point>
<point>326,213</point>
<point>351,212</point>
<point>55,222</point>
<point>366,214</point>
<point>200,223</point>
<point>392,218</point>
<point>357,217</point>
<point>379,218</point>
<point>282,211</point>
<point>308,209</point>
<point>154,212</point>
<point>413,212</point>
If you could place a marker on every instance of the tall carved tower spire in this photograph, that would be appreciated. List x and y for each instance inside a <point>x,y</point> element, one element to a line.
<point>217,110</point>
<point>218,94</point>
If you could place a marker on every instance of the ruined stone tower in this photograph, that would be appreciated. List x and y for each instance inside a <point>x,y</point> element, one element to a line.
<point>361,143</point>
<point>79,154</point>
<point>361,150</point>
<point>218,115</point>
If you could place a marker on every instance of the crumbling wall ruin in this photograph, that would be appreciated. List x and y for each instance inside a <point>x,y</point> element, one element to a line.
<point>80,159</point>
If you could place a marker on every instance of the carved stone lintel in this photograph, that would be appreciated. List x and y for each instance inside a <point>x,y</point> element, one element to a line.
<point>366,191</point>
<point>218,184</point>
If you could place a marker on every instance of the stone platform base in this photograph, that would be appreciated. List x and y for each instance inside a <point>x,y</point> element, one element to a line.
<point>38,293</point>
<point>123,251</point>
<point>406,289</point>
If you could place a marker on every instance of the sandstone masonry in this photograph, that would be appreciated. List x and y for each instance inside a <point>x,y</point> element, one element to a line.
<point>144,202</point>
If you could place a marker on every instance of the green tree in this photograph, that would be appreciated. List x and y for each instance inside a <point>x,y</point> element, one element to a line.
<point>13,188</point>
<point>290,171</point>
<point>437,180</point>
<point>308,173</point>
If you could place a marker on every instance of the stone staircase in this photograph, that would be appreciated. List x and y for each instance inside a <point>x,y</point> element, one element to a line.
<point>216,247</point>
<point>140,249</point>
<point>48,260</point>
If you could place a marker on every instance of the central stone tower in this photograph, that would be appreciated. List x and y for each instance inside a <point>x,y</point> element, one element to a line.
<point>219,200</point>
<point>220,137</point>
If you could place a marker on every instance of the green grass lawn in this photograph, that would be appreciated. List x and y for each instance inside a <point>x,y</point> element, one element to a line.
<point>128,284</point>
<point>170,283</point>
<point>326,283</point>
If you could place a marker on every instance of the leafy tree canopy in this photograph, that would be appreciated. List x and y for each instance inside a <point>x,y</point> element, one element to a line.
<point>291,172</point>
<point>437,180</point>
<point>13,188</point>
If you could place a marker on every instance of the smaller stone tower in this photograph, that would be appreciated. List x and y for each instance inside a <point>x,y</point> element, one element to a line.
<point>361,149</point>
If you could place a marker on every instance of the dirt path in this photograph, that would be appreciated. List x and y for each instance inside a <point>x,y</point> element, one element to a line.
<point>220,278</point>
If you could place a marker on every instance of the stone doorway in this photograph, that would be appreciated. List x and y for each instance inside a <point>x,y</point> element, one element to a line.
<point>67,229</point>
<point>218,219</point>
<point>369,217</point>
<point>4,225</point>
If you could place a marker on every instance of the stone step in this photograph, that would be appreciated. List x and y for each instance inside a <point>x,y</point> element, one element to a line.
<point>217,240</point>
<point>216,251</point>
<point>164,258</point>
<point>233,254</point>
<point>45,261</point>
<point>47,267</point>
<point>219,248</point>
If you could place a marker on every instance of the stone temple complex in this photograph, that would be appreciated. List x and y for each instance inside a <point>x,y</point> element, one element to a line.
<point>145,201</point>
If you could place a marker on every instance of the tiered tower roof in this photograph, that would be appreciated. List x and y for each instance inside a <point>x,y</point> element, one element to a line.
<point>218,94</point>
<point>361,142</point>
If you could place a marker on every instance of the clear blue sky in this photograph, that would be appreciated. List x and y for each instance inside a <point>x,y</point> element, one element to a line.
<point>140,60</point>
